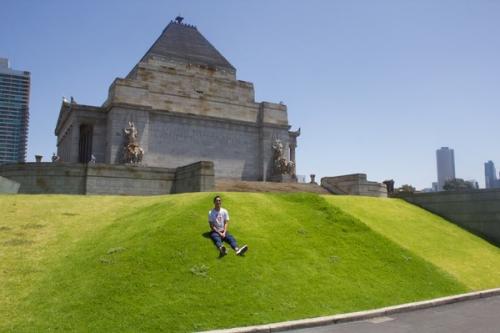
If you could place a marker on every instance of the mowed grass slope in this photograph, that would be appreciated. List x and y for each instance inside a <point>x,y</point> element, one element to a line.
<point>139,264</point>
<point>470,259</point>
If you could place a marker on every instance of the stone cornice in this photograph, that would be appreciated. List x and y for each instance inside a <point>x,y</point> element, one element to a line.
<point>194,116</point>
<point>69,108</point>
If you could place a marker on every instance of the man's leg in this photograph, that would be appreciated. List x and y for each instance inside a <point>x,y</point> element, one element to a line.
<point>216,238</point>
<point>231,240</point>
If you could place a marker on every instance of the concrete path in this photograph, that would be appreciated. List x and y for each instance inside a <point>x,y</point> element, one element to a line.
<point>478,315</point>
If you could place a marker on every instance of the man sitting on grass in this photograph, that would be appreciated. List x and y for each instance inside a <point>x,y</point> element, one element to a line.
<point>218,218</point>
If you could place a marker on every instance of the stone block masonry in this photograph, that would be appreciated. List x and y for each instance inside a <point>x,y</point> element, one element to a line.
<point>196,177</point>
<point>8,186</point>
<point>477,211</point>
<point>73,178</point>
<point>355,184</point>
<point>46,178</point>
<point>128,180</point>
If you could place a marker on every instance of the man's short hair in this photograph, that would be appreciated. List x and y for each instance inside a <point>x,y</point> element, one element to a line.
<point>217,197</point>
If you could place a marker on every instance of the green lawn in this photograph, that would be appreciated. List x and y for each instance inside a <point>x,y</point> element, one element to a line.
<point>470,259</point>
<point>142,264</point>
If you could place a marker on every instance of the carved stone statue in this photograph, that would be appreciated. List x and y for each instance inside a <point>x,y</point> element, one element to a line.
<point>132,152</point>
<point>281,166</point>
<point>55,158</point>
<point>130,133</point>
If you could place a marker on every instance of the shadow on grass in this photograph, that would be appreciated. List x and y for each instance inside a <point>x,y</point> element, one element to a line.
<point>207,235</point>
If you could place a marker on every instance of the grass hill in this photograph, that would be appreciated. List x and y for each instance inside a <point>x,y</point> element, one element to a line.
<point>468,258</point>
<point>110,263</point>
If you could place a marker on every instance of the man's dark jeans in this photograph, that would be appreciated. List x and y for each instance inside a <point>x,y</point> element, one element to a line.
<point>218,239</point>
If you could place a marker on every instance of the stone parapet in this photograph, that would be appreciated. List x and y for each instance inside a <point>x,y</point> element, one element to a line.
<point>354,184</point>
<point>46,178</point>
<point>73,178</point>
<point>274,113</point>
<point>195,177</point>
<point>129,180</point>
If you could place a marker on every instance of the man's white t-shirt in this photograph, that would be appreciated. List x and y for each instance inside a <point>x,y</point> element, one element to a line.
<point>218,218</point>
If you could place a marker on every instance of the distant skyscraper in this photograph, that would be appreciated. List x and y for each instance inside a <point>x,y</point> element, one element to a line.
<point>445,166</point>
<point>490,175</point>
<point>14,113</point>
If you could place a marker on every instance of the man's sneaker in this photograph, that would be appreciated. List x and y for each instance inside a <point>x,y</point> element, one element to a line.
<point>222,250</point>
<point>240,251</point>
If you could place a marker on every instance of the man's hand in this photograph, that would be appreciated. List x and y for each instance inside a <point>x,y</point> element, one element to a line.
<point>222,234</point>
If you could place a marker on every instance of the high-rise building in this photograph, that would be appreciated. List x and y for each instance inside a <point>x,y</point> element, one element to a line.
<point>445,158</point>
<point>490,175</point>
<point>14,113</point>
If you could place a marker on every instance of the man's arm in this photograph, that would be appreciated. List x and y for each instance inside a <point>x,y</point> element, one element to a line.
<point>212,227</point>
<point>226,222</point>
<point>223,233</point>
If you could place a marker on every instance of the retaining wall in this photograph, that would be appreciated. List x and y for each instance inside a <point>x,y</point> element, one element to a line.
<point>73,178</point>
<point>477,210</point>
<point>8,186</point>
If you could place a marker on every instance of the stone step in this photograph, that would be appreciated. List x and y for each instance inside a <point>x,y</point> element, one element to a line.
<point>231,185</point>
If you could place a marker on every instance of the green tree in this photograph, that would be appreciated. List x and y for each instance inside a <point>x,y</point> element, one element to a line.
<point>406,188</point>
<point>457,184</point>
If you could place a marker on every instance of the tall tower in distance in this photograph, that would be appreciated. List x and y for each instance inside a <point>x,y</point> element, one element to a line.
<point>490,175</point>
<point>14,113</point>
<point>445,158</point>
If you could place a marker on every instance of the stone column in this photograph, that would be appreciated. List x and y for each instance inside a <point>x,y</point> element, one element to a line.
<point>293,144</point>
<point>292,152</point>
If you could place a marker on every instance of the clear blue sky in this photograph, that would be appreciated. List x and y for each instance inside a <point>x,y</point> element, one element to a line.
<point>376,86</point>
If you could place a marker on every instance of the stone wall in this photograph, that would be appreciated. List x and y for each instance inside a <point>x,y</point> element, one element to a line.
<point>355,184</point>
<point>129,180</point>
<point>477,211</point>
<point>185,114</point>
<point>184,89</point>
<point>196,177</point>
<point>74,178</point>
<point>238,149</point>
<point>8,186</point>
<point>46,178</point>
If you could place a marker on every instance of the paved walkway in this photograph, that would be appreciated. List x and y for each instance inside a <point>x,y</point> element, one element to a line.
<point>479,315</point>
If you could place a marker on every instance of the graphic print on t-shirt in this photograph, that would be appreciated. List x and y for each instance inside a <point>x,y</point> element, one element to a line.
<point>218,218</point>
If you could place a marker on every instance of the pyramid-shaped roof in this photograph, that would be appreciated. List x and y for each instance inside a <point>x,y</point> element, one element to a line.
<point>185,43</point>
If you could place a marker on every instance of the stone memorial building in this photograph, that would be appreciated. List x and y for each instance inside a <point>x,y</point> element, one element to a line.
<point>181,104</point>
